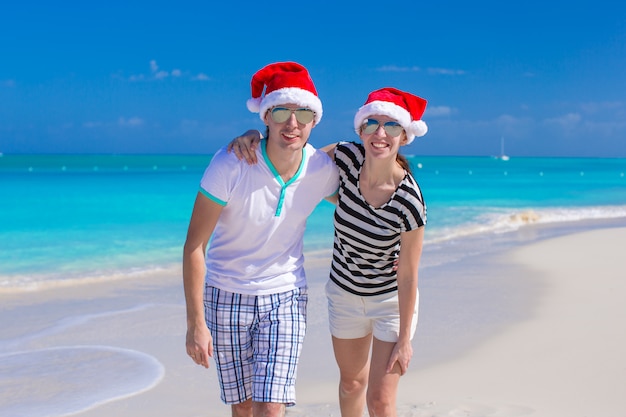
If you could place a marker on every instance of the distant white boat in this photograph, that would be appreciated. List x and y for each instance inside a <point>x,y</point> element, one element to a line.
<point>502,155</point>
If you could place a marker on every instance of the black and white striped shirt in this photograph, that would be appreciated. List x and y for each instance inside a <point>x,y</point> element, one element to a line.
<point>367,239</point>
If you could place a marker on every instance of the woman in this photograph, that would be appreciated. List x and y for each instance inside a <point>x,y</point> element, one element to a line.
<point>379,231</point>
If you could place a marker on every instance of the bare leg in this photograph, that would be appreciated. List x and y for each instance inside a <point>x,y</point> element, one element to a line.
<point>352,356</point>
<point>242,409</point>
<point>249,409</point>
<point>383,387</point>
<point>268,409</point>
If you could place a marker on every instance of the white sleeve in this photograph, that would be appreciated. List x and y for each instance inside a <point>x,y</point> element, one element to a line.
<point>221,176</point>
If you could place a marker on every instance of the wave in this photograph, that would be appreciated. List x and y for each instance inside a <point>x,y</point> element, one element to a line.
<point>65,380</point>
<point>64,324</point>
<point>44,281</point>
<point>504,221</point>
<point>492,221</point>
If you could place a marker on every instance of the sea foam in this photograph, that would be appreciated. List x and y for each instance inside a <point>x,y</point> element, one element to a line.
<point>65,380</point>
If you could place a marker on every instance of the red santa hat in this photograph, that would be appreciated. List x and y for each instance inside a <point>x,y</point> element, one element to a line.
<point>403,107</point>
<point>284,83</point>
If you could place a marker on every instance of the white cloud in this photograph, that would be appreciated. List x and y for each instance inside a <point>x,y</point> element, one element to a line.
<point>201,77</point>
<point>92,125</point>
<point>445,71</point>
<point>566,121</point>
<point>571,124</point>
<point>434,71</point>
<point>601,107</point>
<point>158,74</point>
<point>131,122</point>
<point>439,111</point>
<point>394,68</point>
<point>120,122</point>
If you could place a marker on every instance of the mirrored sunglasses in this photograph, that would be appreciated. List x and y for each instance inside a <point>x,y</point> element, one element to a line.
<point>393,129</point>
<point>282,114</point>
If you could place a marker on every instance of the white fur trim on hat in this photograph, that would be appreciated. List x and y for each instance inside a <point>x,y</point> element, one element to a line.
<point>282,96</point>
<point>402,116</point>
<point>254,104</point>
<point>418,128</point>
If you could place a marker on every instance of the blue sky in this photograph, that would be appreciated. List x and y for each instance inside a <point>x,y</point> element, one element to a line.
<point>174,77</point>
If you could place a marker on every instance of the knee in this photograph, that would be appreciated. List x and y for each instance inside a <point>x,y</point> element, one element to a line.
<point>350,387</point>
<point>380,405</point>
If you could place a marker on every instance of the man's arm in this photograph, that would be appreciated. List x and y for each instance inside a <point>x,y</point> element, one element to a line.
<point>205,214</point>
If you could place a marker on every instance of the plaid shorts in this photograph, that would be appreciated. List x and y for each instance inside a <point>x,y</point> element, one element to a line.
<point>257,340</point>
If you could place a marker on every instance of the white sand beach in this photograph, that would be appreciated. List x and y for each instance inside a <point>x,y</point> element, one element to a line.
<point>533,331</point>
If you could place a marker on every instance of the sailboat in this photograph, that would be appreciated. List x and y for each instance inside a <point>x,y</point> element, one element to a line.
<point>502,156</point>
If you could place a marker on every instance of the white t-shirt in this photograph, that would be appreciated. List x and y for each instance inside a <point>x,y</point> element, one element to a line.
<point>257,245</point>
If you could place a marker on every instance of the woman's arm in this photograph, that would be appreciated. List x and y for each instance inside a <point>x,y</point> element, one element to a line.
<point>244,146</point>
<point>408,264</point>
<point>330,150</point>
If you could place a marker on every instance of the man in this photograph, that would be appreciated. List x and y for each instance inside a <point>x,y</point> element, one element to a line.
<point>246,290</point>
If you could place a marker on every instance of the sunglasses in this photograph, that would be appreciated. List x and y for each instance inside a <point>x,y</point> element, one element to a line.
<point>282,114</point>
<point>393,129</point>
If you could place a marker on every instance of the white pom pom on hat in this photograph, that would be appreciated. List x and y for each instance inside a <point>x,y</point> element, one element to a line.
<point>407,109</point>
<point>283,83</point>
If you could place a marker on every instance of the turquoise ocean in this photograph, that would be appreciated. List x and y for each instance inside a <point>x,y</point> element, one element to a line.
<point>71,219</point>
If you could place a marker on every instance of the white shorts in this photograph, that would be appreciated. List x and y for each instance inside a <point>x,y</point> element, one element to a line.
<point>352,316</point>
